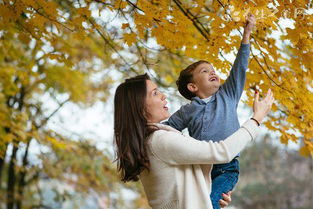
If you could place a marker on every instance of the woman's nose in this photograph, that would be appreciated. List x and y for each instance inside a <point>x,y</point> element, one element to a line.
<point>163,96</point>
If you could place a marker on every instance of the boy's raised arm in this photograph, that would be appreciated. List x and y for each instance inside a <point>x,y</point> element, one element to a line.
<point>250,23</point>
<point>234,84</point>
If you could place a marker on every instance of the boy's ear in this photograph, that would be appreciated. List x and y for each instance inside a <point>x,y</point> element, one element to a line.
<point>192,87</point>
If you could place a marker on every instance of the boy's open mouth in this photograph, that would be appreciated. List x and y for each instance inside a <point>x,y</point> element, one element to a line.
<point>213,78</point>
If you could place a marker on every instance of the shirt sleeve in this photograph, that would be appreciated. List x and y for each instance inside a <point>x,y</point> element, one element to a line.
<point>235,82</point>
<point>177,120</point>
<point>175,148</point>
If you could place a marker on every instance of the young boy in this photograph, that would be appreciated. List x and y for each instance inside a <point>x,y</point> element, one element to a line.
<point>212,113</point>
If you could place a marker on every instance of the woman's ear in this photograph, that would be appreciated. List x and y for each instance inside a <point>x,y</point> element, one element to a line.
<point>192,87</point>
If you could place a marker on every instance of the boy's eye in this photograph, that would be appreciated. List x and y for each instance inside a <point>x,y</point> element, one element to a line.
<point>204,71</point>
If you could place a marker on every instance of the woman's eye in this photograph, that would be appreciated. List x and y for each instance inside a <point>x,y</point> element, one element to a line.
<point>155,93</point>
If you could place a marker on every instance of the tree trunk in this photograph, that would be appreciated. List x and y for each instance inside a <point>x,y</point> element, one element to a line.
<point>2,159</point>
<point>11,179</point>
<point>22,183</point>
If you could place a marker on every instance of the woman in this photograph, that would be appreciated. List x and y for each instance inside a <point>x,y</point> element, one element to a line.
<point>172,168</point>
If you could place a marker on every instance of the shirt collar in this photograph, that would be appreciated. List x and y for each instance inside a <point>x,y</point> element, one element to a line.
<point>207,99</point>
<point>200,101</point>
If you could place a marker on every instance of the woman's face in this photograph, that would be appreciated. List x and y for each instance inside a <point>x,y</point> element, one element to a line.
<point>155,104</point>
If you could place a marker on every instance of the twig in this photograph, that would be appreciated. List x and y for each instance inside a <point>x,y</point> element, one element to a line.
<point>112,47</point>
<point>194,20</point>
<point>144,60</point>
<point>53,20</point>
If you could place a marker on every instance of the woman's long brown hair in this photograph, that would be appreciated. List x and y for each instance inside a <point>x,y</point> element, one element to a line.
<point>130,128</point>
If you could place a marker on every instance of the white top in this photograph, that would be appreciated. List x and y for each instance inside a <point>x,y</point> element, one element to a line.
<point>180,166</point>
<point>206,100</point>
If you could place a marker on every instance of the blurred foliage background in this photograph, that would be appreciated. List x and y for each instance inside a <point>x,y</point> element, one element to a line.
<point>61,54</point>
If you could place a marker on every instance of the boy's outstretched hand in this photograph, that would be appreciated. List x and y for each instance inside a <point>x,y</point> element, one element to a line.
<point>250,23</point>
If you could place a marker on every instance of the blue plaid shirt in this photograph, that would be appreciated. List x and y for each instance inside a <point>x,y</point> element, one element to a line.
<point>217,119</point>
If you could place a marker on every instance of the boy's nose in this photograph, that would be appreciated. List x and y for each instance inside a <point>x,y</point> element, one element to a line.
<point>212,72</point>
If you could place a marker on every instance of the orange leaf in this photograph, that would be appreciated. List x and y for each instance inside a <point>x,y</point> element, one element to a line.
<point>130,38</point>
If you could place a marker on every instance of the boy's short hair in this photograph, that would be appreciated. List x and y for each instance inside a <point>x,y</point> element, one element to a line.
<point>185,77</point>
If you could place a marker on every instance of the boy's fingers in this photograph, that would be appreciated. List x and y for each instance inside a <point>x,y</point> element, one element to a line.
<point>250,20</point>
<point>250,17</point>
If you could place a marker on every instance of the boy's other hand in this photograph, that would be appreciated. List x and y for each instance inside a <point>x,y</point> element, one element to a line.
<point>250,23</point>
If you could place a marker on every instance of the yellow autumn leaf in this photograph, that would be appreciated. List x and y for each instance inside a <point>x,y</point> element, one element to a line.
<point>130,38</point>
<point>305,152</point>
<point>39,21</point>
<point>120,4</point>
<point>284,139</point>
<point>125,25</point>
<point>25,38</point>
<point>56,143</point>
<point>84,11</point>
<point>169,79</point>
<point>8,138</point>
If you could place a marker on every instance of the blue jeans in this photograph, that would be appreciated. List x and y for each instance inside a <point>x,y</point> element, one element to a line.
<point>224,178</point>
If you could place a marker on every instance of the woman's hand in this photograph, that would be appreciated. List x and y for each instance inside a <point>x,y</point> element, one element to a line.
<point>262,107</point>
<point>226,200</point>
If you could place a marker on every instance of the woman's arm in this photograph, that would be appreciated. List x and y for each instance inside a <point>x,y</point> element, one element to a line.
<point>174,148</point>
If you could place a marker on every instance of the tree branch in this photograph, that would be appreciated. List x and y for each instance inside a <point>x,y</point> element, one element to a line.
<point>52,20</point>
<point>144,59</point>
<point>204,32</point>
<point>112,47</point>
<point>44,121</point>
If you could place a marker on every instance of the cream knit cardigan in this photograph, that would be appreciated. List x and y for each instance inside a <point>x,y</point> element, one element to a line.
<point>180,166</point>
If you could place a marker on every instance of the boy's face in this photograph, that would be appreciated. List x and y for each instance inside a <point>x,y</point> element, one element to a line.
<point>205,81</point>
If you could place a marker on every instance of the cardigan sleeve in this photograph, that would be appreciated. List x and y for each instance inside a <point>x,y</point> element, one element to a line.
<point>175,148</point>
